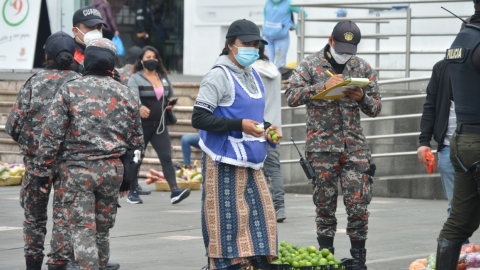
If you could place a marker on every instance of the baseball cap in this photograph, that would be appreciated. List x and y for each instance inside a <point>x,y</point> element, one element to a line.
<point>347,36</point>
<point>245,30</point>
<point>89,16</point>
<point>57,43</point>
<point>134,51</point>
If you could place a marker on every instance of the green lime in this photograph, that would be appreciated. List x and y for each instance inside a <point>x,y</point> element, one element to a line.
<point>314,261</point>
<point>275,137</point>
<point>283,243</point>
<point>337,261</point>
<point>322,261</point>
<point>308,258</point>
<point>331,262</point>
<point>330,258</point>
<point>301,263</point>
<point>325,252</point>
<point>308,264</point>
<point>271,132</point>
<point>295,264</point>
<point>311,249</point>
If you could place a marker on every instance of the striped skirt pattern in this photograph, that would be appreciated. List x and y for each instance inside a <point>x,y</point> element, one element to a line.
<point>238,217</point>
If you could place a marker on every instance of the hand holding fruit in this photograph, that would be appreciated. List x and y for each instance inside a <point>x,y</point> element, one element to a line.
<point>273,134</point>
<point>248,126</point>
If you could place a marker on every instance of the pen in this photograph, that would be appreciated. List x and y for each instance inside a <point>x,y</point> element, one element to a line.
<point>329,73</point>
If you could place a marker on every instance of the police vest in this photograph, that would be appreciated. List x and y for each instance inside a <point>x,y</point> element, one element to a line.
<point>464,77</point>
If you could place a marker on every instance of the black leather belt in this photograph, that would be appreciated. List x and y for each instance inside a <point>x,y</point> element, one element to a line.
<point>472,129</point>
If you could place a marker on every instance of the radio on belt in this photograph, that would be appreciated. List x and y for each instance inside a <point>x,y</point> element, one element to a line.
<point>307,168</point>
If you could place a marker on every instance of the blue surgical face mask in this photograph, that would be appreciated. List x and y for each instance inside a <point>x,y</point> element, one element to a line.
<point>246,55</point>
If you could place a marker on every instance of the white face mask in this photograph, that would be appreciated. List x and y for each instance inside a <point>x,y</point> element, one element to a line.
<point>94,34</point>
<point>340,58</point>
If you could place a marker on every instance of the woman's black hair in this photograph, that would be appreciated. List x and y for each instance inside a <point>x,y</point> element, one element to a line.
<point>139,66</point>
<point>261,52</point>
<point>229,41</point>
<point>64,60</point>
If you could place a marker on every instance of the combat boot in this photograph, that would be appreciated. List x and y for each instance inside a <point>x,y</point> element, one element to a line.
<point>326,242</point>
<point>359,254</point>
<point>33,264</point>
<point>447,254</point>
<point>57,267</point>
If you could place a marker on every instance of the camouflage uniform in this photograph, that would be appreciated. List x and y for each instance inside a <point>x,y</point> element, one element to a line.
<point>25,126</point>
<point>125,72</point>
<point>335,144</point>
<point>93,121</point>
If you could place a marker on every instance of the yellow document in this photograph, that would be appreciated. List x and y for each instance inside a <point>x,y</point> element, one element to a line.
<point>335,92</point>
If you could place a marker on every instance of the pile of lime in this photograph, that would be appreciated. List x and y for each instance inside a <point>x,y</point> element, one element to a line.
<point>301,256</point>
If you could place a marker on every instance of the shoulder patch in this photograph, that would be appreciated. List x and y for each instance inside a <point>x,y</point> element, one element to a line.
<point>456,54</point>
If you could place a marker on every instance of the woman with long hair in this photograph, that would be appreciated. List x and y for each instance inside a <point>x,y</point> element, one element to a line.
<point>156,97</point>
<point>238,216</point>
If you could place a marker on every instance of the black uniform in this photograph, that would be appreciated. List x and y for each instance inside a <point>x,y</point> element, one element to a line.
<point>463,59</point>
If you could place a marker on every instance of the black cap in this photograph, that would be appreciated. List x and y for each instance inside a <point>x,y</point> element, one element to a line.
<point>89,16</point>
<point>57,43</point>
<point>476,1</point>
<point>346,36</point>
<point>245,30</point>
<point>134,51</point>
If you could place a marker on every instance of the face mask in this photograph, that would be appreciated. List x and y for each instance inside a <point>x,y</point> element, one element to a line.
<point>94,34</point>
<point>340,58</point>
<point>246,55</point>
<point>150,64</point>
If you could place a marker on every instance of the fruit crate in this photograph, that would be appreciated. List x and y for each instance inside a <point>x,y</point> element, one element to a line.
<point>345,264</point>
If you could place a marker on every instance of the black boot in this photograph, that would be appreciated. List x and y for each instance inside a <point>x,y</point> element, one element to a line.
<point>326,242</point>
<point>142,191</point>
<point>57,267</point>
<point>359,254</point>
<point>447,254</point>
<point>113,266</point>
<point>33,264</point>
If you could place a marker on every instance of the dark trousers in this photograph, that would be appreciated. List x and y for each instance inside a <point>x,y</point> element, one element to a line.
<point>163,146</point>
<point>464,216</point>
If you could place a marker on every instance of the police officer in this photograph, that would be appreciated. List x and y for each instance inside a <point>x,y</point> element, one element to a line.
<point>335,145</point>
<point>87,26</point>
<point>92,122</point>
<point>25,127</point>
<point>126,71</point>
<point>463,62</point>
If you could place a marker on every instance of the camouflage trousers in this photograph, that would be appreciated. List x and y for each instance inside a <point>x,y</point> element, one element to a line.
<point>92,189</point>
<point>35,204</point>
<point>353,171</point>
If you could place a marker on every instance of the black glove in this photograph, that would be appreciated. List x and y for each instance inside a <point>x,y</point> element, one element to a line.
<point>125,186</point>
<point>116,76</point>
<point>40,182</point>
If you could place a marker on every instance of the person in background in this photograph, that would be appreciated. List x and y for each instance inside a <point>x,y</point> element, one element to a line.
<point>189,140</point>
<point>87,26</point>
<point>126,71</point>
<point>273,99</point>
<point>25,126</point>
<point>236,205</point>
<point>335,144</point>
<point>155,94</point>
<point>278,22</point>
<point>92,122</point>
<point>110,29</point>
<point>341,13</point>
<point>143,23</point>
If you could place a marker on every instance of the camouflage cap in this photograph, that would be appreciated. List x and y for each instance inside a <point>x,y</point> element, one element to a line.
<point>103,43</point>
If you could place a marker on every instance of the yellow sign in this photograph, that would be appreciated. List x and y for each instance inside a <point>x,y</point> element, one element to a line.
<point>348,36</point>
<point>455,53</point>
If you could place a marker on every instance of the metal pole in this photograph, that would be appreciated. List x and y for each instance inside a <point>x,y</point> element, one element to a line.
<point>408,38</point>
<point>299,36</point>
<point>302,50</point>
<point>377,44</point>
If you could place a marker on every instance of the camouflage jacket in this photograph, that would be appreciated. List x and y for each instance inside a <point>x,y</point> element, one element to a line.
<point>32,106</point>
<point>91,118</point>
<point>125,72</point>
<point>332,125</point>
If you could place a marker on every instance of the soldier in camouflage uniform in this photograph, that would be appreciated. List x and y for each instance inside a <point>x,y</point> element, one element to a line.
<point>126,71</point>
<point>335,144</point>
<point>93,121</point>
<point>25,125</point>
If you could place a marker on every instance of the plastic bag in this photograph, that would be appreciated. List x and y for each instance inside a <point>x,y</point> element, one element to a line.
<point>431,161</point>
<point>119,45</point>
<point>418,265</point>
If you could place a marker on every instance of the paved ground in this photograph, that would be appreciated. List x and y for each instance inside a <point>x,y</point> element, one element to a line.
<point>158,235</point>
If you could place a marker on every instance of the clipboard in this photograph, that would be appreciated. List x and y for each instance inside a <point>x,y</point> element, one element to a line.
<point>335,92</point>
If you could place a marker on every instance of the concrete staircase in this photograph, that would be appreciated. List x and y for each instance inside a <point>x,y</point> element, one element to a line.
<point>186,92</point>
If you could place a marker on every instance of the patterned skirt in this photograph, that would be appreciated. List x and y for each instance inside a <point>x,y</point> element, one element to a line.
<point>238,218</point>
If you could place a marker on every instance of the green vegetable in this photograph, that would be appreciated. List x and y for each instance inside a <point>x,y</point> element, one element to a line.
<point>4,175</point>
<point>2,169</point>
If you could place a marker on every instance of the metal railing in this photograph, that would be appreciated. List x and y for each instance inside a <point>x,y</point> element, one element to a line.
<point>383,118</point>
<point>384,4</point>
